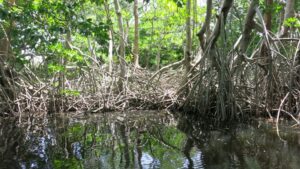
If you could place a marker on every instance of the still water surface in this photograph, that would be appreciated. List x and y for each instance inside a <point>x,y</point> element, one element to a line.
<point>148,140</point>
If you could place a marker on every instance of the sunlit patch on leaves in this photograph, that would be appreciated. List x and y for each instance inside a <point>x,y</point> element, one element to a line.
<point>292,22</point>
<point>36,4</point>
<point>56,47</point>
<point>55,68</point>
<point>70,92</point>
<point>128,58</point>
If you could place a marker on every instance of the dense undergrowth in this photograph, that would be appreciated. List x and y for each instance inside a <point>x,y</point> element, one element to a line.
<point>98,57</point>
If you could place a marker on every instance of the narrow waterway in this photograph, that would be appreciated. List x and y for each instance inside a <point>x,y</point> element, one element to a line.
<point>148,140</point>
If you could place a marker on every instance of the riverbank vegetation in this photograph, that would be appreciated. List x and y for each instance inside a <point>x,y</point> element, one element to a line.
<point>222,60</point>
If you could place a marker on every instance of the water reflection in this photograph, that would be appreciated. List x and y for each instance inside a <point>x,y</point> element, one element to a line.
<point>147,140</point>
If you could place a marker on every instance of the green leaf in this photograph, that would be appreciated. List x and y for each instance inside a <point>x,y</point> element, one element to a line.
<point>53,68</point>
<point>292,22</point>
<point>70,92</point>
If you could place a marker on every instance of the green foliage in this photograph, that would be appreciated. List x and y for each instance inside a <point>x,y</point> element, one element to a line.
<point>162,32</point>
<point>71,163</point>
<point>43,25</point>
<point>292,22</point>
<point>70,92</point>
<point>98,30</point>
<point>179,3</point>
<point>55,68</point>
<point>129,58</point>
<point>275,8</point>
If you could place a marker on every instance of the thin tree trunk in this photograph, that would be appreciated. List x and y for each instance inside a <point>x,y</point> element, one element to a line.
<point>148,56</point>
<point>268,14</point>
<point>225,84</point>
<point>138,152</point>
<point>284,32</point>
<point>267,58</point>
<point>244,41</point>
<point>220,19</point>
<point>248,26</point>
<point>188,51</point>
<point>288,13</point>
<point>62,78</point>
<point>205,27</point>
<point>110,36</point>
<point>194,20</point>
<point>188,47</point>
<point>136,34</point>
<point>124,138</point>
<point>110,51</point>
<point>158,59</point>
<point>122,46</point>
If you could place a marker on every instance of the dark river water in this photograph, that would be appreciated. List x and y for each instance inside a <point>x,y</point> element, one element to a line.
<point>148,140</point>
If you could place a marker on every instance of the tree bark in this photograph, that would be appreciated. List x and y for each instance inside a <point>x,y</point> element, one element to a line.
<point>158,59</point>
<point>288,13</point>
<point>136,34</point>
<point>220,19</point>
<point>225,95</point>
<point>110,50</point>
<point>268,14</point>
<point>248,26</point>
<point>266,55</point>
<point>284,32</point>
<point>188,50</point>
<point>205,27</point>
<point>122,46</point>
<point>110,36</point>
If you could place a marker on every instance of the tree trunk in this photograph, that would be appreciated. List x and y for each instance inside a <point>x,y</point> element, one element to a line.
<point>188,47</point>
<point>136,34</point>
<point>268,14</point>
<point>284,32</point>
<point>266,55</point>
<point>205,27</point>
<point>220,96</point>
<point>122,46</point>
<point>288,13</point>
<point>110,36</point>
<point>110,51</point>
<point>158,59</point>
<point>248,26</point>
<point>188,51</point>
<point>224,91</point>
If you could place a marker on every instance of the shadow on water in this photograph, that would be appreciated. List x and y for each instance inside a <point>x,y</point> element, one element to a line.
<point>143,140</point>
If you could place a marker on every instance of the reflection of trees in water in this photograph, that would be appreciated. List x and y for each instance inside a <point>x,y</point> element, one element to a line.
<point>134,135</point>
<point>148,141</point>
<point>241,146</point>
<point>24,145</point>
<point>113,142</point>
<point>10,139</point>
<point>108,142</point>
